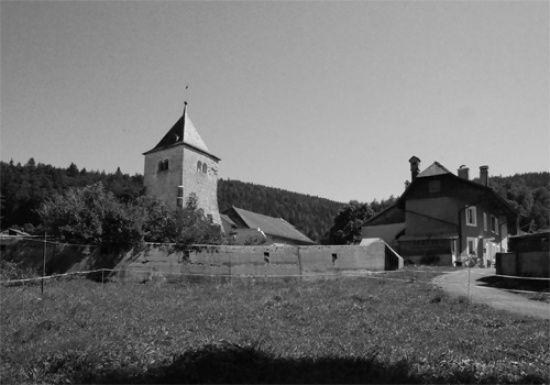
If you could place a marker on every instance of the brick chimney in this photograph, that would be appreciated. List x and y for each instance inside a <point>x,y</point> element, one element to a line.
<point>415,170</point>
<point>464,172</point>
<point>484,175</point>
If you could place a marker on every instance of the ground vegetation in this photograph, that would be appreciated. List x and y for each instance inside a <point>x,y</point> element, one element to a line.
<point>390,328</point>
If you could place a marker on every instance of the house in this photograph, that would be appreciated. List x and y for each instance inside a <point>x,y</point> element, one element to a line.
<point>247,226</point>
<point>444,218</point>
<point>181,165</point>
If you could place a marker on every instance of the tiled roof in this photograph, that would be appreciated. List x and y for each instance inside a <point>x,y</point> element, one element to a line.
<point>271,226</point>
<point>435,169</point>
<point>227,223</point>
<point>183,132</point>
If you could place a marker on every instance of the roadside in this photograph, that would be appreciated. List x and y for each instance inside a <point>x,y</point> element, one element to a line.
<point>456,283</point>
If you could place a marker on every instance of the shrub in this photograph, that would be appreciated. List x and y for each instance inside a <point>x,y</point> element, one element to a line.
<point>429,259</point>
<point>93,215</point>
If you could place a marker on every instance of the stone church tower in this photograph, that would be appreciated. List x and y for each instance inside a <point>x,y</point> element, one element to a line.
<point>180,164</point>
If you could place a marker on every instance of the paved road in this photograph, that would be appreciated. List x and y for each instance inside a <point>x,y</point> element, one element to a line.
<point>456,283</point>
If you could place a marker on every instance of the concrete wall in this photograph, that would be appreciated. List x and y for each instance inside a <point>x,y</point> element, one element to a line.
<point>162,260</point>
<point>524,264</point>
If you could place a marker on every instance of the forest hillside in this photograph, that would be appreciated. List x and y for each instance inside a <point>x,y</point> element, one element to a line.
<point>24,189</point>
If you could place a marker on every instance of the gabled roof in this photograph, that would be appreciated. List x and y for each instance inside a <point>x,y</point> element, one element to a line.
<point>435,169</point>
<point>227,223</point>
<point>269,225</point>
<point>183,132</point>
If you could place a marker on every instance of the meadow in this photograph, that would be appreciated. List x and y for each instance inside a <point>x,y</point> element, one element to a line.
<point>392,328</point>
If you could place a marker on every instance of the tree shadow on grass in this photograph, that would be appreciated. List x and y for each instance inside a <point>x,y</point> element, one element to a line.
<point>229,363</point>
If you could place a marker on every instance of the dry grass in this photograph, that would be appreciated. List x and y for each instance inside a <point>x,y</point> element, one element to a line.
<point>351,330</point>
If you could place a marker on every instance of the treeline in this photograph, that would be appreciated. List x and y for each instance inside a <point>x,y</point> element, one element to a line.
<point>529,195</point>
<point>24,188</point>
<point>312,215</point>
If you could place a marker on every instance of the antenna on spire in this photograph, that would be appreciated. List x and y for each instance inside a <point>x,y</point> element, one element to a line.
<point>186,96</point>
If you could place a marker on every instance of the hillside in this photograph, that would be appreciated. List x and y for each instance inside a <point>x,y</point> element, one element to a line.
<point>25,187</point>
<point>310,214</point>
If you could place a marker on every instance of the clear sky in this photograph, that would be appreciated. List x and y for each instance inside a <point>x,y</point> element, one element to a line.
<point>324,98</point>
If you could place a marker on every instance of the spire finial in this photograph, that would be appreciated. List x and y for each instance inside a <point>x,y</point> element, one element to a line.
<point>186,96</point>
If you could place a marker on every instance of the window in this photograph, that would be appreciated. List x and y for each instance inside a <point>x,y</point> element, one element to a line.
<point>435,186</point>
<point>163,165</point>
<point>471,219</point>
<point>199,166</point>
<point>485,221</point>
<point>472,246</point>
<point>494,224</point>
<point>179,200</point>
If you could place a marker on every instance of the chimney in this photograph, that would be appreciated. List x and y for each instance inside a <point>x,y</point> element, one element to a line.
<point>484,175</point>
<point>464,172</point>
<point>415,162</point>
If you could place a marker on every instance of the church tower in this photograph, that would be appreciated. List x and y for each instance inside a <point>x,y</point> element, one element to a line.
<point>179,165</point>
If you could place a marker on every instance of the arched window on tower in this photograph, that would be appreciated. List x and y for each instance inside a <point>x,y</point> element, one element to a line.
<point>199,166</point>
<point>166,165</point>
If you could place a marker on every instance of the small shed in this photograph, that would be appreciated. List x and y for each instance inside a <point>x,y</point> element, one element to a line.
<point>528,256</point>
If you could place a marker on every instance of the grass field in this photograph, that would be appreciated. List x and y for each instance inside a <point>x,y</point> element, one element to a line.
<point>349,330</point>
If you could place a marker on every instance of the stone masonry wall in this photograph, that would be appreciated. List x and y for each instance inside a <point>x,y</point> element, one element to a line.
<point>140,264</point>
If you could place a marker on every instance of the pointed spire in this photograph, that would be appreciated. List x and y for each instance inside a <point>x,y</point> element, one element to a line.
<point>184,118</point>
<point>184,132</point>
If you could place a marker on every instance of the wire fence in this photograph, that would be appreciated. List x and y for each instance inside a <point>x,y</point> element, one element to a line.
<point>107,275</point>
<point>147,275</point>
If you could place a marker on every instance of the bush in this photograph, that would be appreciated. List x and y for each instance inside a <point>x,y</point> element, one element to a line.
<point>429,259</point>
<point>93,215</point>
<point>11,270</point>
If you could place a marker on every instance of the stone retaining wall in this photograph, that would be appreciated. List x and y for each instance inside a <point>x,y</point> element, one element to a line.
<point>144,262</point>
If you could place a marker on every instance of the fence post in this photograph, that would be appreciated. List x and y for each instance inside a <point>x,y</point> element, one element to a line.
<point>469,270</point>
<point>300,269</point>
<point>43,266</point>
